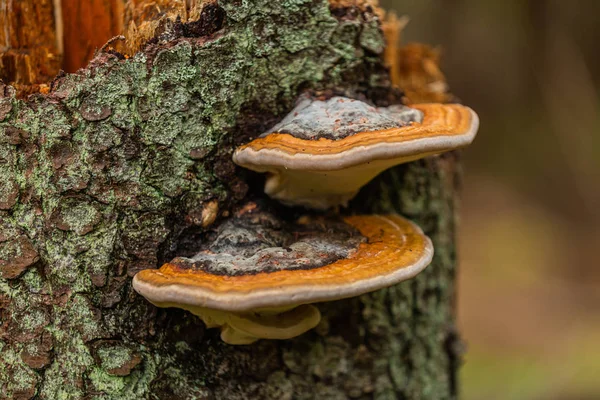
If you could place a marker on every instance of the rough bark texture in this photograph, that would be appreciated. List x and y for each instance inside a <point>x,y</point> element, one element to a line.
<point>101,177</point>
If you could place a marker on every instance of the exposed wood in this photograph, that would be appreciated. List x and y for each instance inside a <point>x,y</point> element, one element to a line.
<point>87,26</point>
<point>29,52</point>
<point>415,67</point>
<point>145,19</point>
<point>392,27</point>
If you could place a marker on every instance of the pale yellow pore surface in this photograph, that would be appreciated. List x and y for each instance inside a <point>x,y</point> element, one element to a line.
<point>324,173</point>
<point>248,327</point>
<point>321,190</point>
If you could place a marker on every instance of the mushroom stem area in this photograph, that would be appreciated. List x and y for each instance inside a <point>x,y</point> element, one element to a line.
<point>265,323</point>
<point>325,189</point>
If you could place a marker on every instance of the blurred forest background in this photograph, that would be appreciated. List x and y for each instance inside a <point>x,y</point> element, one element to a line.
<point>529,286</point>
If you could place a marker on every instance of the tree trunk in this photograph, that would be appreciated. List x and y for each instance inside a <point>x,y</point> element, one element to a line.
<point>100,177</point>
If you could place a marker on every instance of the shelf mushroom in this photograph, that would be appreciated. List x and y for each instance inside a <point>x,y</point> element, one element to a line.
<point>259,277</point>
<point>323,152</point>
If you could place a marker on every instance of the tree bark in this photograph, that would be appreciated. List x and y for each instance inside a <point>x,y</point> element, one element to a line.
<point>101,177</point>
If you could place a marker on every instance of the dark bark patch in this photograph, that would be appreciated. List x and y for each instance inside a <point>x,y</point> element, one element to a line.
<point>350,13</point>
<point>181,326</point>
<point>112,294</point>
<point>40,355</point>
<point>123,194</point>
<point>126,368</point>
<point>61,154</point>
<point>91,111</point>
<point>211,20</point>
<point>142,262</point>
<point>238,189</point>
<point>36,360</point>
<point>69,175</point>
<point>98,279</point>
<point>145,233</point>
<point>254,120</point>
<point>77,215</point>
<point>15,136</point>
<point>16,256</point>
<point>224,168</point>
<point>25,393</point>
<point>27,152</point>
<point>199,153</point>
<point>116,358</point>
<point>353,13</point>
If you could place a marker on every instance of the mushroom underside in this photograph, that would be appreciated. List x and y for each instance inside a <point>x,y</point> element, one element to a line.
<point>321,190</point>
<point>266,323</point>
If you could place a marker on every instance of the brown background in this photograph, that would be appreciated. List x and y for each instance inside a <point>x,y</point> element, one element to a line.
<point>529,305</point>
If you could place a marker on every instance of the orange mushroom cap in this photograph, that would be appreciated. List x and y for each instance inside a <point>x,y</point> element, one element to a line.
<point>324,172</point>
<point>265,291</point>
<point>396,249</point>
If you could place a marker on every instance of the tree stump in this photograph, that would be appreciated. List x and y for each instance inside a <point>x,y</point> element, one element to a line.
<point>103,175</point>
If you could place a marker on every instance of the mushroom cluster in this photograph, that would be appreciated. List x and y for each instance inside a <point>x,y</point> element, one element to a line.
<point>323,152</point>
<point>258,276</point>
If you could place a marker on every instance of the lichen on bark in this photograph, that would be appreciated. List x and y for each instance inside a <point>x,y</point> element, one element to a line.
<point>100,178</point>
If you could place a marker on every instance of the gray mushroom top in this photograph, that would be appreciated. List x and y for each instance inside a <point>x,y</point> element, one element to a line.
<point>258,242</point>
<point>340,117</point>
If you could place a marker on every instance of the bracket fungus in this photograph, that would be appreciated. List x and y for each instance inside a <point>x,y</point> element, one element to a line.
<point>257,277</point>
<point>323,152</point>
